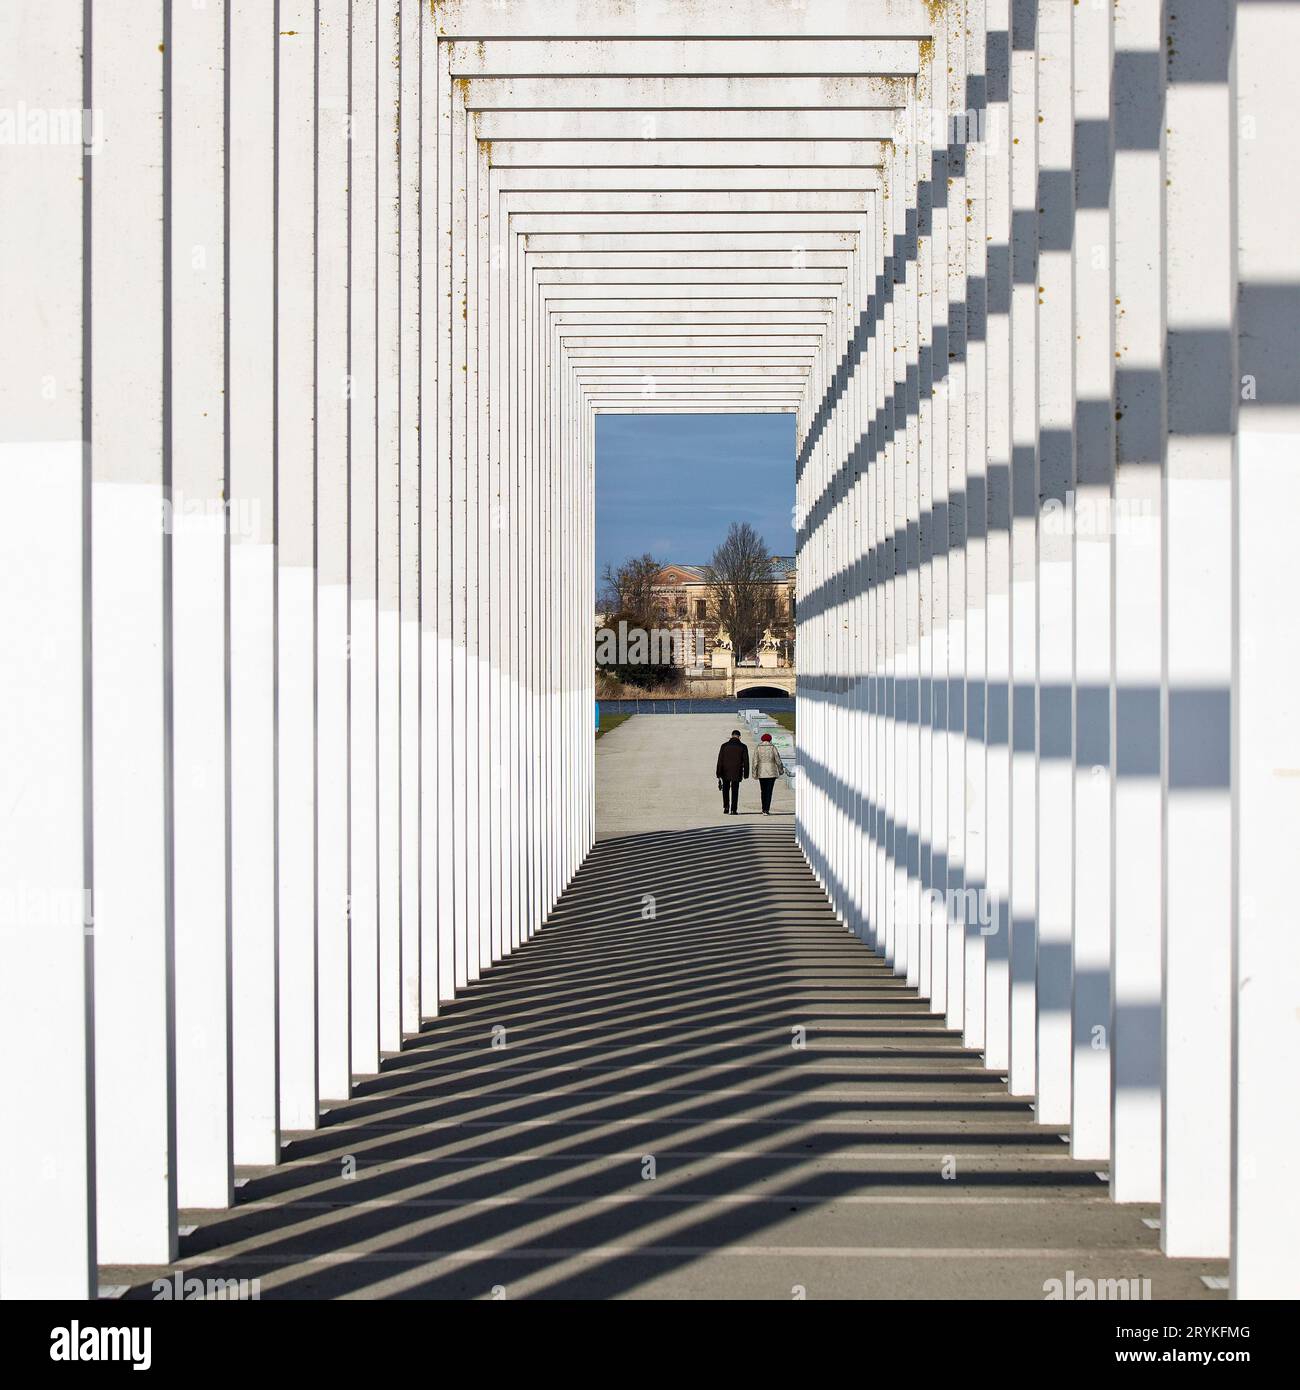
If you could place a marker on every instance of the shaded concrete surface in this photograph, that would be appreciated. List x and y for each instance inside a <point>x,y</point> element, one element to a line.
<point>656,772</point>
<point>649,1126</point>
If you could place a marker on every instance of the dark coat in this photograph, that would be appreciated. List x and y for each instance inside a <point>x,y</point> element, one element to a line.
<point>733,761</point>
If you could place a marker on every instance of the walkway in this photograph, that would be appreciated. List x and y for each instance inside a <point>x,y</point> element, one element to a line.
<point>656,773</point>
<point>647,1125</point>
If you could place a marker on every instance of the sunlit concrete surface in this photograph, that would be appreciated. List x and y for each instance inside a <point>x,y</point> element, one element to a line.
<point>656,772</point>
<point>694,1083</point>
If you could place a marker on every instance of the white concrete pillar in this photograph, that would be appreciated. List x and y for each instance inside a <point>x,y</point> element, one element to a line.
<point>958,340</point>
<point>254,997</point>
<point>295,461</point>
<point>432,770</point>
<point>448,537</point>
<point>409,130</point>
<point>1055,556</point>
<point>332,398</point>
<point>363,523</point>
<point>47,1200</point>
<point>199,609</point>
<point>926,198</point>
<point>135,1161</point>
<point>1023,945</point>
<point>388,483</point>
<point>909,400</point>
<point>1094,412</point>
<point>461,824</point>
<point>1200,296</point>
<point>975,852</point>
<point>940,743</point>
<point>1137,605</point>
<point>994,916</point>
<point>478,256</point>
<point>905,414</point>
<point>1265,1223</point>
<point>892,460</point>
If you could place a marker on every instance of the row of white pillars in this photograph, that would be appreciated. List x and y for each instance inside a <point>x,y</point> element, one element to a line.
<point>1105,644</point>
<point>238,598</point>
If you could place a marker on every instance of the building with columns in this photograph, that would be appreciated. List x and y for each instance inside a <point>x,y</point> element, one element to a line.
<point>683,598</point>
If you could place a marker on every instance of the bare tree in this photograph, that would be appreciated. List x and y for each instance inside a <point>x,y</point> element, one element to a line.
<point>740,586</point>
<point>628,590</point>
<point>629,600</point>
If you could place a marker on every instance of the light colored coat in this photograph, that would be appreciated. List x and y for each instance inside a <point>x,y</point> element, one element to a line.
<point>767,761</point>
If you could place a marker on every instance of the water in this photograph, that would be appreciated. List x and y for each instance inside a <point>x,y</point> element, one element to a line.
<point>694,706</point>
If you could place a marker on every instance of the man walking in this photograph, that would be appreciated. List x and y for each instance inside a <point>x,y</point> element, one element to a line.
<point>733,768</point>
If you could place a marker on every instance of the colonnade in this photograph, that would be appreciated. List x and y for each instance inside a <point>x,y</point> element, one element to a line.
<point>310,309</point>
<point>297,701</point>
<point>1045,637</point>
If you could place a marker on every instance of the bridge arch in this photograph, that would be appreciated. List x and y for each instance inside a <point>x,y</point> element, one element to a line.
<point>764,691</point>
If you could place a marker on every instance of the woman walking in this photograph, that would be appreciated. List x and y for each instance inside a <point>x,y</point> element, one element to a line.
<point>767,768</point>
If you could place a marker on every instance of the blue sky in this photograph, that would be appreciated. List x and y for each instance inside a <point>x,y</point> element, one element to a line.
<point>672,484</point>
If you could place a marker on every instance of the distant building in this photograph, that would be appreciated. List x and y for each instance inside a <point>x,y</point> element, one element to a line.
<point>682,599</point>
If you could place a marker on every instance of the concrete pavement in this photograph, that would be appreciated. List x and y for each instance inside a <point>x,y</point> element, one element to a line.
<point>656,772</point>
<point>693,1083</point>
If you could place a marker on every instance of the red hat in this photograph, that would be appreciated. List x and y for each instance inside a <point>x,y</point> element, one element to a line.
<point>767,738</point>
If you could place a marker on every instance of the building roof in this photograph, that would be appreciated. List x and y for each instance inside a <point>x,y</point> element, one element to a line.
<point>782,567</point>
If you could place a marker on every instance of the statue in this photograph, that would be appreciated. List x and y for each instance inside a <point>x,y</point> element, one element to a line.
<point>721,657</point>
<point>768,649</point>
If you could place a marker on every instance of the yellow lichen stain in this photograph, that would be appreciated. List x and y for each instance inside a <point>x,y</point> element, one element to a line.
<point>486,146</point>
<point>925,51</point>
